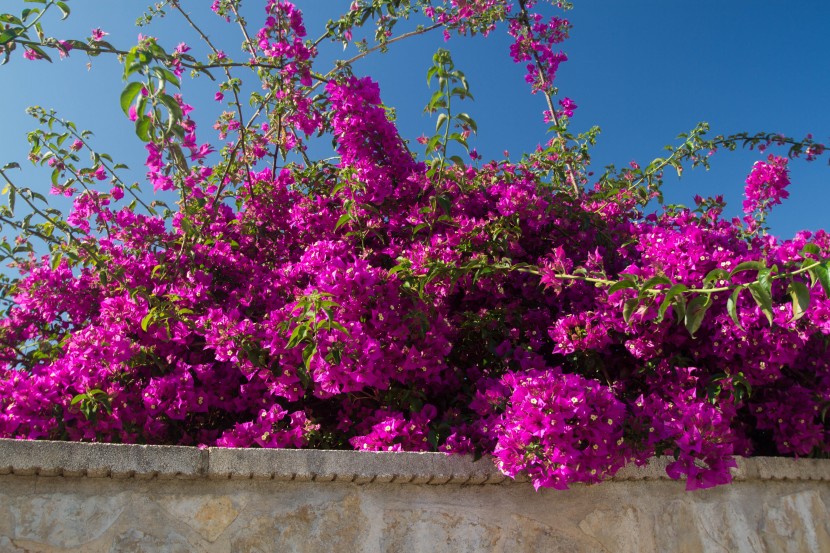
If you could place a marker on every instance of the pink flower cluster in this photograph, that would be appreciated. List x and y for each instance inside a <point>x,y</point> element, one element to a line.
<point>468,16</point>
<point>534,43</point>
<point>559,429</point>
<point>766,186</point>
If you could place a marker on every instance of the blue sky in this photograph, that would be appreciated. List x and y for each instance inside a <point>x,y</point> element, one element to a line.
<point>643,70</point>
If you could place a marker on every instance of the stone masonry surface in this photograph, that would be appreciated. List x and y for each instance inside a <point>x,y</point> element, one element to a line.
<point>73,497</point>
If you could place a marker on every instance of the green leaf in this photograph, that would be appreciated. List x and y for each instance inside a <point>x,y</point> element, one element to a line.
<point>714,389</point>
<point>345,218</point>
<point>174,108</point>
<point>461,93</point>
<point>765,278</point>
<point>175,152</point>
<point>621,285</point>
<point>671,293</point>
<point>9,18</point>
<point>819,273</point>
<point>305,379</point>
<point>56,261</point>
<point>431,73</point>
<point>732,306</point>
<point>457,137</point>
<point>436,101</point>
<point>40,52</point>
<point>128,95</point>
<point>457,161</point>
<point>696,311</point>
<point>145,321</point>
<point>129,63</point>
<point>64,9</point>
<point>8,35</point>
<point>679,309</point>
<point>748,266</point>
<point>468,121</point>
<point>142,128</point>
<point>334,325</point>
<point>811,248</point>
<point>629,307</point>
<point>762,298</point>
<point>442,118</point>
<point>298,335</point>
<point>464,82</point>
<point>715,275</point>
<point>308,353</point>
<point>433,143</point>
<point>444,202</point>
<point>741,384</point>
<point>800,295</point>
<point>167,75</point>
<point>651,283</point>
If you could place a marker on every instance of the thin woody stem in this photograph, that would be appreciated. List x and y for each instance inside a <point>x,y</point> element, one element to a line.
<point>523,17</point>
<point>341,63</point>
<point>607,282</point>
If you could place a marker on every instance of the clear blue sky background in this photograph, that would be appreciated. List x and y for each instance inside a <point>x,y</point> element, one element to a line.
<point>643,70</point>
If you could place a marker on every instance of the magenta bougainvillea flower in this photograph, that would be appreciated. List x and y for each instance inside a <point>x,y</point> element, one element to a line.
<point>373,299</point>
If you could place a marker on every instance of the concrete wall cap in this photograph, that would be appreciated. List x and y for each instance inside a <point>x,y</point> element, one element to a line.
<point>99,460</point>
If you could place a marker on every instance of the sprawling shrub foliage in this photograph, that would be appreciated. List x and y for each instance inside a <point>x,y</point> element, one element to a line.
<point>388,299</point>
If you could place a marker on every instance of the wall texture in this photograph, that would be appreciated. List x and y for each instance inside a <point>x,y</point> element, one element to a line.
<point>65,497</point>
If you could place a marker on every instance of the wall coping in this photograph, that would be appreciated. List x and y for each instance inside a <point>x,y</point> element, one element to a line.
<point>99,460</point>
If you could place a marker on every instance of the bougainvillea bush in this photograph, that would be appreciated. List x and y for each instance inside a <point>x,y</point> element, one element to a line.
<point>402,295</point>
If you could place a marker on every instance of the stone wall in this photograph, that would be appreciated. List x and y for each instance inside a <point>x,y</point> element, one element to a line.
<point>69,497</point>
